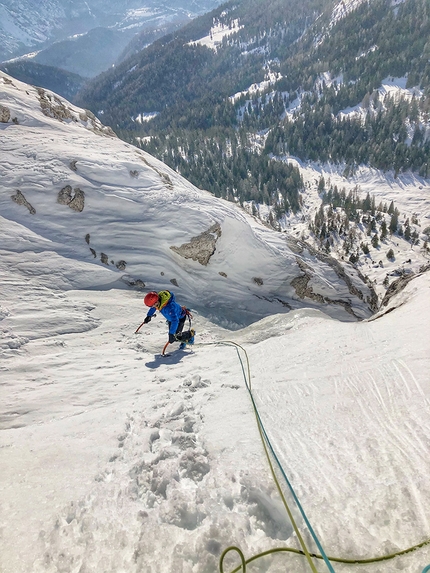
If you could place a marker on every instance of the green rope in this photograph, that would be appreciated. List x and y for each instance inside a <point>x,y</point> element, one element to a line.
<point>336,559</point>
<point>241,555</point>
<point>303,552</point>
<point>265,442</point>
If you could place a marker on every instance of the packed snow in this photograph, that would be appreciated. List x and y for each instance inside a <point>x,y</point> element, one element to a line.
<point>116,459</point>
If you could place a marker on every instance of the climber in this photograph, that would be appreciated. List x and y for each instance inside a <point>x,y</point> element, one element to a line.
<point>175,314</point>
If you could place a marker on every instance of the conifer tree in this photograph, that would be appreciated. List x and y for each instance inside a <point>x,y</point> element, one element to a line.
<point>394,222</point>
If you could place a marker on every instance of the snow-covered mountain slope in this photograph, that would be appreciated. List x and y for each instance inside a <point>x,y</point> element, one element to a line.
<point>86,37</point>
<point>82,194</point>
<point>115,459</point>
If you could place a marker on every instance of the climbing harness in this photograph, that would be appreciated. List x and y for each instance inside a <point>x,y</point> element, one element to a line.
<point>304,551</point>
<point>188,315</point>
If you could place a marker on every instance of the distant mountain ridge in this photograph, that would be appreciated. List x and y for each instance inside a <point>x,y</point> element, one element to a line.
<point>62,82</point>
<point>89,36</point>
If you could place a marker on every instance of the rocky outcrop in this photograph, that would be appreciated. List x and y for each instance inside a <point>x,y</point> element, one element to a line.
<point>4,114</point>
<point>301,284</point>
<point>74,199</point>
<point>52,106</point>
<point>398,285</point>
<point>21,200</point>
<point>202,247</point>
<point>304,290</point>
<point>133,282</point>
<point>95,125</point>
<point>371,299</point>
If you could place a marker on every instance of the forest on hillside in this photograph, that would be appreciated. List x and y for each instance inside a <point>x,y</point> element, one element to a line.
<point>324,69</point>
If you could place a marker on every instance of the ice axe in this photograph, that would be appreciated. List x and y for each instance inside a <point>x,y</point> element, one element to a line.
<point>163,352</point>
<point>137,330</point>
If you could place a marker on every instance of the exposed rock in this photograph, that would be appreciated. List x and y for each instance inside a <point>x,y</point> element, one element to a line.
<point>78,201</point>
<point>398,285</point>
<point>21,200</point>
<point>73,166</point>
<point>301,283</point>
<point>87,116</point>
<point>75,201</point>
<point>164,176</point>
<point>284,303</point>
<point>269,299</point>
<point>52,106</point>
<point>258,281</point>
<point>346,305</point>
<point>294,245</point>
<point>65,195</point>
<point>372,299</point>
<point>4,114</point>
<point>104,258</point>
<point>303,290</point>
<point>131,281</point>
<point>167,180</point>
<point>222,274</point>
<point>202,247</point>
<point>121,265</point>
<point>93,252</point>
<point>134,173</point>
<point>174,282</point>
<point>87,238</point>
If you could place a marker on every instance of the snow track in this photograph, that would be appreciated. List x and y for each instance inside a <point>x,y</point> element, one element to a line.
<point>355,442</point>
<point>128,463</point>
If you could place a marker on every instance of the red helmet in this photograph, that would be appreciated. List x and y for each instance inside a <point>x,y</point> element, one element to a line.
<point>151,298</point>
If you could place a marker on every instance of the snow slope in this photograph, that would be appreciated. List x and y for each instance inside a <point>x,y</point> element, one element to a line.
<point>114,459</point>
<point>129,209</point>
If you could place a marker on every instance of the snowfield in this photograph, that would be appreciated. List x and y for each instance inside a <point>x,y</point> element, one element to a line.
<point>115,459</point>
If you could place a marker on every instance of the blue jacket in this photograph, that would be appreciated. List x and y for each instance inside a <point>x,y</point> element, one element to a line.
<point>172,312</point>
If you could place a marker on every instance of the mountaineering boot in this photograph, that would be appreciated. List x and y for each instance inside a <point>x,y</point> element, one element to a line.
<point>191,339</point>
